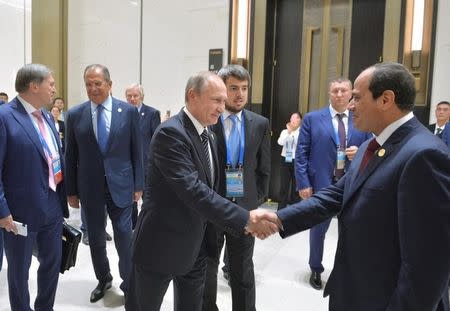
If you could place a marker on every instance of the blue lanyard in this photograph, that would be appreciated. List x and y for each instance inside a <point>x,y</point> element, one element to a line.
<point>292,142</point>
<point>241,144</point>
<point>43,142</point>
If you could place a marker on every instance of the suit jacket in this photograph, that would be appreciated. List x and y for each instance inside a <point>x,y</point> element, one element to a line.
<point>149,119</point>
<point>315,157</point>
<point>432,128</point>
<point>394,229</point>
<point>446,135</point>
<point>178,201</point>
<point>121,165</point>
<point>24,181</point>
<point>256,159</point>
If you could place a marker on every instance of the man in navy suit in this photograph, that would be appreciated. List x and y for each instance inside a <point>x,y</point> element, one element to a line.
<point>104,167</point>
<point>32,190</point>
<point>171,241</point>
<point>321,159</point>
<point>446,136</point>
<point>251,150</point>
<point>392,205</point>
<point>149,119</point>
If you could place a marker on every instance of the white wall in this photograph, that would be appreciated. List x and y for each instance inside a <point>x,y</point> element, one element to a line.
<point>15,26</point>
<point>441,73</point>
<point>177,36</point>
<point>104,32</point>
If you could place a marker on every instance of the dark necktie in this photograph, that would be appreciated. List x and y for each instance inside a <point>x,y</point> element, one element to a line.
<point>205,139</point>
<point>439,132</point>
<point>102,134</point>
<point>368,154</point>
<point>338,173</point>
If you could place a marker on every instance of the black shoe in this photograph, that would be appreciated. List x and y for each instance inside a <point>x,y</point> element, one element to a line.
<point>108,237</point>
<point>315,280</point>
<point>100,290</point>
<point>85,239</point>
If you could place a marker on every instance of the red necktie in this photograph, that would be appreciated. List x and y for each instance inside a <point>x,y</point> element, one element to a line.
<point>371,148</point>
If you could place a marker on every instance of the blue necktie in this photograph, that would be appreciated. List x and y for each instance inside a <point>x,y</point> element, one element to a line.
<point>102,134</point>
<point>234,141</point>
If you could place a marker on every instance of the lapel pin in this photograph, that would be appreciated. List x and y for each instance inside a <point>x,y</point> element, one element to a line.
<point>142,113</point>
<point>381,152</point>
<point>119,110</point>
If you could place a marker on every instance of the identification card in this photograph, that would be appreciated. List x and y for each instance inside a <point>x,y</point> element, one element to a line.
<point>288,157</point>
<point>22,229</point>
<point>234,183</point>
<point>57,173</point>
<point>340,161</point>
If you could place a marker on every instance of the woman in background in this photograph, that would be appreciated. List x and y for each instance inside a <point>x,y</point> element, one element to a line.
<point>288,139</point>
<point>56,112</point>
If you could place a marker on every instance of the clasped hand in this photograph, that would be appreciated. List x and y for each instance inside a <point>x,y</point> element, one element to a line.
<point>262,223</point>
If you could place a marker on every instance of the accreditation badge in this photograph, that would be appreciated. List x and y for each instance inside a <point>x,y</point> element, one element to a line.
<point>234,183</point>
<point>340,160</point>
<point>288,157</point>
<point>57,172</point>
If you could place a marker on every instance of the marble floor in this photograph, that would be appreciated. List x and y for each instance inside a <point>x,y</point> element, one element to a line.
<point>281,269</point>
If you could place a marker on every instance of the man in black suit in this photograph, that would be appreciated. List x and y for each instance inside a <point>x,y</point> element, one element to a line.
<point>149,119</point>
<point>170,241</point>
<point>442,117</point>
<point>243,146</point>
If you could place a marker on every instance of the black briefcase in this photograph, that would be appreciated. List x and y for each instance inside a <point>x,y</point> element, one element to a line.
<point>71,238</point>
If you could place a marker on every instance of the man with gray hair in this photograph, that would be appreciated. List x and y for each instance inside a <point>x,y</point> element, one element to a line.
<point>149,119</point>
<point>171,241</point>
<point>32,192</point>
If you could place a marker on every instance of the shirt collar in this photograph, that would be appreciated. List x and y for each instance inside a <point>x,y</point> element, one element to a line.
<point>107,104</point>
<point>227,113</point>
<point>333,112</point>
<point>28,107</point>
<point>198,126</point>
<point>139,107</point>
<point>391,128</point>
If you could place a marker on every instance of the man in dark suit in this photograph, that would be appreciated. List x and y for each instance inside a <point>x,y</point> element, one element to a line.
<point>104,167</point>
<point>149,119</point>
<point>32,190</point>
<point>446,136</point>
<point>327,143</point>
<point>442,117</point>
<point>394,228</point>
<point>243,146</point>
<point>170,241</point>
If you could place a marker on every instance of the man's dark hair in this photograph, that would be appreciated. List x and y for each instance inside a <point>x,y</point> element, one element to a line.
<point>3,94</point>
<point>396,78</point>
<point>235,71</point>
<point>440,103</point>
<point>56,98</point>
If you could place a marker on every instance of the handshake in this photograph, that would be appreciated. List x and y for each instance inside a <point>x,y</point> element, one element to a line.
<point>262,223</point>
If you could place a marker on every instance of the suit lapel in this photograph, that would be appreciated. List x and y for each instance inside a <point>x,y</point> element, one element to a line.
<point>20,114</point>
<point>350,128</point>
<point>327,124</point>
<point>86,123</point>
<point>213,143</point>
<point>195,138</point>
<point>116,119</point>
<point>248,127</point>
<point>389,147</point>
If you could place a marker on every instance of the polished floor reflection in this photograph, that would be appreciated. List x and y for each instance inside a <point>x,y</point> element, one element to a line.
<point>281,269</point>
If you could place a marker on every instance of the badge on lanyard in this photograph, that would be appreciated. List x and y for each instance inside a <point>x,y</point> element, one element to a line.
<point>57,173</point>
<point>234,182</point>
<point>340,160</point>
<point>289,150</point>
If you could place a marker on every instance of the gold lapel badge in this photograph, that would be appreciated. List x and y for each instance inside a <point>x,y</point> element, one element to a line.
<point>381,152</point>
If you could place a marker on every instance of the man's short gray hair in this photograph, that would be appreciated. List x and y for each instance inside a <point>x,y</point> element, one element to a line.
<point>31,73</point>
<point>197,82</point>
<point>103,68</point>
<point>136,86</point>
